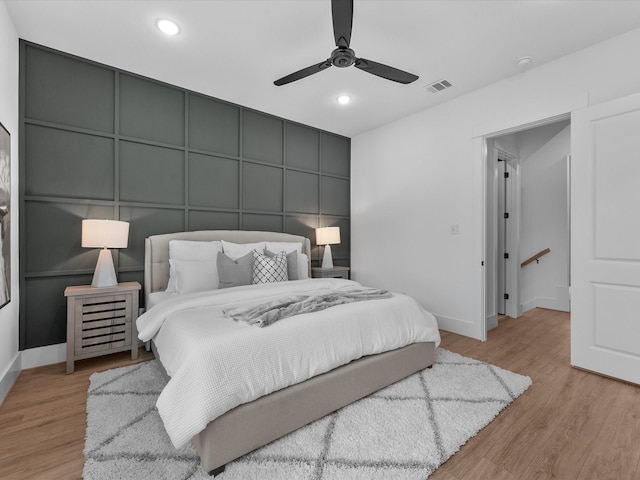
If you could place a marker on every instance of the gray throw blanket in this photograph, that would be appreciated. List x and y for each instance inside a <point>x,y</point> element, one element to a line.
<point>268,313</point>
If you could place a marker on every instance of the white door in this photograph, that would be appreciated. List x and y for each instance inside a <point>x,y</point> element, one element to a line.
<point>605,238</point>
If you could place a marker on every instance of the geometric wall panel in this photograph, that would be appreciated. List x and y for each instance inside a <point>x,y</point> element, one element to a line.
<point>151,174</point>
<point>335,150</point>
<point>53,236</point>
<point>302,192</point>
<point>67,91</point>
<point>103,143</point>
<point>268,223</point>
<point>262,187</point>
<point>63,164</point>
<point>262,137</point>
<point>302,147</point>
<point>151,111</point>
<point>40,330</point>
<point>335,196</point>
<point>213,125</point>
<point>213,181</point>
<point>145,221</point>
<point>207,220</point>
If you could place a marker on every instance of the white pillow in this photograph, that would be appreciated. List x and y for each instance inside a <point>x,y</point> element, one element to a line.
<point>194,275</point>
<point>303,267</point>
<point>288,247</point>
<point>194,250</point>
<point>190,250</point>
<point>236,250</point>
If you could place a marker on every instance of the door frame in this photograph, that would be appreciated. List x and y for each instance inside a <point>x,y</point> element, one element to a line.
<point>512,195</point>
<point>481,173</point>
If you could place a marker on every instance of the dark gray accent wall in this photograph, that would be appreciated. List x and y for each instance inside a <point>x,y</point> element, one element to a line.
<point>98,142</point>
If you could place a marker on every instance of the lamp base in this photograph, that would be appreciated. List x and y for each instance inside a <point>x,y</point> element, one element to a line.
<point>327,259</point>
<point>105,273</point>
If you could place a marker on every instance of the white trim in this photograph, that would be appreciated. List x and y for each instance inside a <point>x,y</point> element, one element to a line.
<point>478,329</point>
<point>458,326</point>
<point>560,302</point>
<point>38,357</point>
<point>9,377</point>
<point>554,111</point>
<point>492,322</point>
<point>537,115</point>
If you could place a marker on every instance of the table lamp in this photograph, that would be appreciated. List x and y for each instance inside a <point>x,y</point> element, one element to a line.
<point>327,236</point>
<point>104,234</point>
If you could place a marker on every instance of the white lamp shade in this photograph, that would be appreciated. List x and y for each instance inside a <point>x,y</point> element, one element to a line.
<point>105,233</point>
<point>328,235</point>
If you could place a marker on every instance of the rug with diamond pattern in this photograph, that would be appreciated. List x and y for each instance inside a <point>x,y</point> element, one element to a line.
<point>403,432</point>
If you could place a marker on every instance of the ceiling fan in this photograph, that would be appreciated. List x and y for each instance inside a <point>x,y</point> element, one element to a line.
<point>343,56</point>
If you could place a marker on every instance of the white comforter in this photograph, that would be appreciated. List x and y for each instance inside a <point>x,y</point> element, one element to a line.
<point>216,364</point>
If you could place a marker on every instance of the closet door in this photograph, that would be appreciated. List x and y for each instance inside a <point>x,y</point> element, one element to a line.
<point>605,238</point>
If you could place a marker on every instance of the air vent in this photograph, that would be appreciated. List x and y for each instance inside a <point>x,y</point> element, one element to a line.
<point>438,86</point>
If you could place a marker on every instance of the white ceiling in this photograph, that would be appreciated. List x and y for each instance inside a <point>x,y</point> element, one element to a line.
<point>234,50</point>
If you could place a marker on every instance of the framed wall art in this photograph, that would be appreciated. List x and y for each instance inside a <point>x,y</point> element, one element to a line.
<point>5,217</point>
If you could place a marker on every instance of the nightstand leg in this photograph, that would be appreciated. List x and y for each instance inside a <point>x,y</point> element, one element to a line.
<point>70,335</point>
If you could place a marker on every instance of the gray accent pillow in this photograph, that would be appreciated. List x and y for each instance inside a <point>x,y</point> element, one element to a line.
<point>292,263</point>
<point>234,273</point>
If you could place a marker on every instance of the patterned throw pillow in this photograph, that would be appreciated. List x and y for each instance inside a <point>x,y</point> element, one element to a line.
<point>269,270</point>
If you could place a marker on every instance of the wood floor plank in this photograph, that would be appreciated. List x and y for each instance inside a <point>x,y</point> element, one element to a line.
<point>555,429</point>
<point>570,425</point>
<point>43,420</point>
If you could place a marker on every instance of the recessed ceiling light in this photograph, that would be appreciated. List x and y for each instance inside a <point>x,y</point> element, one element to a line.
<point>168,27</point>
<point>343,99</point>
<point>523,61</point>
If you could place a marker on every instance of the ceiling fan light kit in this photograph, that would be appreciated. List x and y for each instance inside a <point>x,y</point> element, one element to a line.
<point>343,56</point>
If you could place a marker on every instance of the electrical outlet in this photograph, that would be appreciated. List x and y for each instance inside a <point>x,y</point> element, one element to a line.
<point>454,229</point>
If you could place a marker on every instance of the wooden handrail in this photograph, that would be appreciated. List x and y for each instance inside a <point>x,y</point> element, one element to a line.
<point>535,257</point>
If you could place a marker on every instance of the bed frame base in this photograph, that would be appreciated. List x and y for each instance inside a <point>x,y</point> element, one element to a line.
<point>217,471</point>
<point>254,424</point>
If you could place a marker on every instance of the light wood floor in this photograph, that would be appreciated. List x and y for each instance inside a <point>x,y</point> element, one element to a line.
<point>569,425</point>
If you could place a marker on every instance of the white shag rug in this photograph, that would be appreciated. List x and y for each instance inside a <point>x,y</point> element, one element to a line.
<point>402,432</point>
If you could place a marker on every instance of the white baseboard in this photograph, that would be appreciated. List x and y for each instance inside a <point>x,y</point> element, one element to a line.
<point>456,325</point>
<point>9,377</point>
<point>560,302</point>
<point>37,357</point>
<point>492,322</point>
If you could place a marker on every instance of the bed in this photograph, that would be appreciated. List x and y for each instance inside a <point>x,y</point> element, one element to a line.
<point>255,423</point>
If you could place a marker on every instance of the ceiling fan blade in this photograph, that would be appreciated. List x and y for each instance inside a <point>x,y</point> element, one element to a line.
<point>342,13</point>
<point>385,71</point>
<point>305,72</point>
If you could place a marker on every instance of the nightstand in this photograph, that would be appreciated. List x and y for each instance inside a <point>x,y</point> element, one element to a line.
<point>335,272</point>
<point>101,320</point>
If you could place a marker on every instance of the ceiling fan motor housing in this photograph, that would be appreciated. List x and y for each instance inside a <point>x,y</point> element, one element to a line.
<point>343,57</point>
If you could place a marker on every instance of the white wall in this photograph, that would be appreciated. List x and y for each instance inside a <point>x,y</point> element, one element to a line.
<point>544,220</point>
<point>9,355</point>
<point>412,178</point>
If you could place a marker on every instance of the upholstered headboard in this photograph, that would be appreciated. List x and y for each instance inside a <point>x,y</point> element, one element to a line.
<point>156,250</point>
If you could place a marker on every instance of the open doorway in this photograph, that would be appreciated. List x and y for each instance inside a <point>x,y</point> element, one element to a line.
<point>527,220</point>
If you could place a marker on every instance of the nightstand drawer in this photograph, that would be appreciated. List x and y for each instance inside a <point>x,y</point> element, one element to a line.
<point>101,320</point>
<point>102,323</point>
